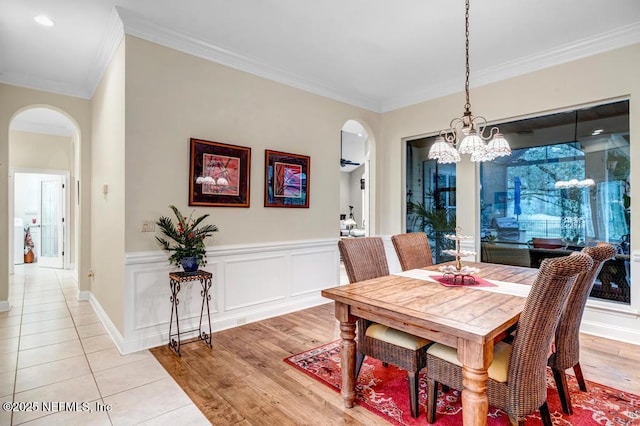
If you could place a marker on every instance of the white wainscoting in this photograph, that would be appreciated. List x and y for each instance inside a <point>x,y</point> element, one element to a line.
<point>259,281</point>
<point>615,320</point>
<point>250,283</point>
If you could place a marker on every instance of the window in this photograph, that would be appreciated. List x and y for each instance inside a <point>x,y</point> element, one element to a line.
<point>567,181</point>
<point>431,197</point>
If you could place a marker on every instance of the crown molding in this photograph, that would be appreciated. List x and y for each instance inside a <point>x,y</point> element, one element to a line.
<point>123,21</point>
<point>111,39</point>
<point>140,27</point>
<point>46,85</point>
<point>590,46</point>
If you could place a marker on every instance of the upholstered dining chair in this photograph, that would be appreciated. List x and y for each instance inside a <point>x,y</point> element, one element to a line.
<point>364,258</point>
<point>567,339</point>
<point>517,376</point>
<point>413,250</point>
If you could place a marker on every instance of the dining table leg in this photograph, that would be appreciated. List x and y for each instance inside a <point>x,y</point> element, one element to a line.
<point>475,359</point>
<point>347,353</point>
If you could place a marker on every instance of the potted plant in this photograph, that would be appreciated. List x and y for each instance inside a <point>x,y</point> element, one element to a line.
<point>185,241</point>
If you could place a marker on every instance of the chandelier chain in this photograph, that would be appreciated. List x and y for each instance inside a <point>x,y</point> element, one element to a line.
<point>466,134</point>
<point>467,106</point>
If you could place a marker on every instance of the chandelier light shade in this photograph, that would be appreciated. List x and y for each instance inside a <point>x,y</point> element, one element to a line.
<point>467,134</point>
<point>574,183</point>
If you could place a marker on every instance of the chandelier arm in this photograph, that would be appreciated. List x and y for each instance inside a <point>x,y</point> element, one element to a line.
<point>480,124</point>
<point>456,124</point>
<point>494,131</point>
<point>449,136</point>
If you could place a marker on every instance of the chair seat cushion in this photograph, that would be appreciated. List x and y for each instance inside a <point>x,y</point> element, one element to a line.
<point>497,370</point>
<point>395,337</point>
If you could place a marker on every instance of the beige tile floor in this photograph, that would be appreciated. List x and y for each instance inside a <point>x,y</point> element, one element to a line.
<point>54,350</point>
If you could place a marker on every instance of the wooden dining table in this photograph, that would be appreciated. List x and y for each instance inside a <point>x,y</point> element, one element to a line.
<point>463,317</point>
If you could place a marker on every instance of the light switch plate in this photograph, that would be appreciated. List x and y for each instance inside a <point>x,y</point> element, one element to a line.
<point>148,226</point>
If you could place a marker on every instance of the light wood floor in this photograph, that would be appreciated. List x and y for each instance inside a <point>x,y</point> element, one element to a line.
<point>244,381</point>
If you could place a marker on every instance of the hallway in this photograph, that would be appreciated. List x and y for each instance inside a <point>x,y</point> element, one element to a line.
<point>54,352</point>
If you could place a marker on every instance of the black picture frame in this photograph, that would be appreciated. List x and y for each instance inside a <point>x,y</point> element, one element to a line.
<point>286,179</point>
<point>219,174</point>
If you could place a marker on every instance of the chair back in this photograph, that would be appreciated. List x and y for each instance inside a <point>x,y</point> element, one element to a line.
<point>413,250</point>
<point>364,258</point>
<point>527,388</point>
<point>567,341</point>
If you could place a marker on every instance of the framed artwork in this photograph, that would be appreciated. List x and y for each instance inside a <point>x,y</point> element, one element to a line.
<point>219,174</point>
<point>286,179</point>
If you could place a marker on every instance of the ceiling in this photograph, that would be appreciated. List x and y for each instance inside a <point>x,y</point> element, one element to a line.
<point>376,54</point>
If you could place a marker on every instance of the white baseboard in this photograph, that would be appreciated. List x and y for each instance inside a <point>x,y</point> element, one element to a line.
<point>160,337</point>
<point>611,321</point>
<point>607,331</point>
<point>5,306</point>
<point>84,295</point>
<point>251,282</point>
<point>112,330</point>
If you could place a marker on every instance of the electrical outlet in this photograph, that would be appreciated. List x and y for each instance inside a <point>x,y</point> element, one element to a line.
<point>148,226</point>
<point>241,320</point>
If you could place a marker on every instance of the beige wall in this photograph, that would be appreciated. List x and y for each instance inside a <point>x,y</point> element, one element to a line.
<point>593,79</point>
<point>172,96</point>
<point>152,99</point>
<point>600,78</point>
<point>12,101</point>
<point>39,151</point>
<point>108,168</point>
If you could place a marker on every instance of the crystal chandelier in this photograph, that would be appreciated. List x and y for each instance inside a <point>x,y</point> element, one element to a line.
<point>466,134</point>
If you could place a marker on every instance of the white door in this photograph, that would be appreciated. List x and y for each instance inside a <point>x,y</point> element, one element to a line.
<point>52,223</point>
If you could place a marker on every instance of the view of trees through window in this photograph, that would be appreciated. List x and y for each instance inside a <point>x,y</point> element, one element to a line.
<point>565,186</point>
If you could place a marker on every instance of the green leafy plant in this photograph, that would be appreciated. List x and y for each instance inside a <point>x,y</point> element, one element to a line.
<point>185,239</point>
<point>436,223</point>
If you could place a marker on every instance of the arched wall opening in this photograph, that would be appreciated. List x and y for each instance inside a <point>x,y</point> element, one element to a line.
<point>357,147</point>
<point>43,208</point>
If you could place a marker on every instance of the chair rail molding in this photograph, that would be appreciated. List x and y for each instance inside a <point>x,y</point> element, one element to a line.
<point>251,282</point>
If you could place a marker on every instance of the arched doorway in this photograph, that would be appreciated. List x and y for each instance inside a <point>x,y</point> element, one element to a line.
<point>42,164</point>
<point>355,182</point>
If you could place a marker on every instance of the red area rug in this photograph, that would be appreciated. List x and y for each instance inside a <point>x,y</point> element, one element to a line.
<point>384,391</point>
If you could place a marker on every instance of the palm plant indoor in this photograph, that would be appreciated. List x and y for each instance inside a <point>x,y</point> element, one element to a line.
<point>185,241</point>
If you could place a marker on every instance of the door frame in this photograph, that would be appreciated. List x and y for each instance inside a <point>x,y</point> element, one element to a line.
<point>66,176</point>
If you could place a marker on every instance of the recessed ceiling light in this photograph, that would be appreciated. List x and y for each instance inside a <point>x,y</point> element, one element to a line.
<point>44,20</point>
